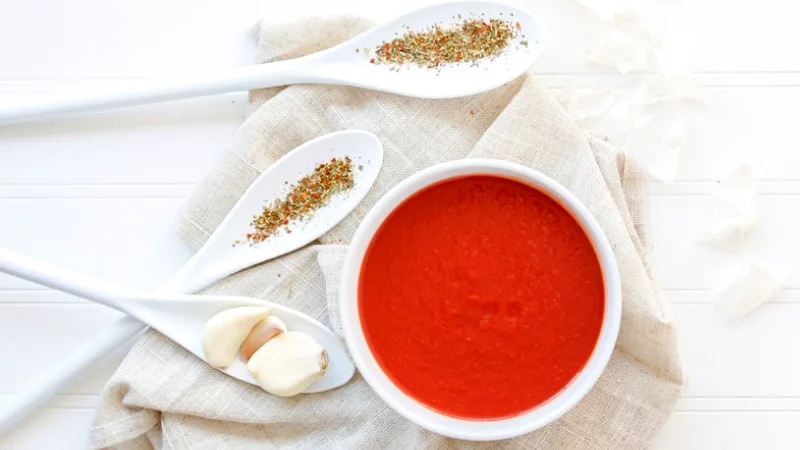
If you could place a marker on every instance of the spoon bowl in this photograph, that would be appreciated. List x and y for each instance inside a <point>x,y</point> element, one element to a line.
<point>344,65</point>
<point>219,257</point>
<point>182,318</point>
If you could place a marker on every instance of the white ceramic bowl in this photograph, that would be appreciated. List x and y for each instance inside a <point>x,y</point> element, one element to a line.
<point>478,430</point>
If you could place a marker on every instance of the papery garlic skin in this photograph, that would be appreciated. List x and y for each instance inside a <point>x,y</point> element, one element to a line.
<point>745,290</point>
<point>288,363</point>
<point>262,332</point>
<point>224,333</point>
<point>734,208</point>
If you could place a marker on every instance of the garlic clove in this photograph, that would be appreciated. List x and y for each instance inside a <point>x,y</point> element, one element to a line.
<point>288,363</point>
<point>224,333</point>
<point>262,332</point>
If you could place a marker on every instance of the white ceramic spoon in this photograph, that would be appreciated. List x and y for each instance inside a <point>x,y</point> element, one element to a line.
<point>218,258</point>
<point>341,65</point>
<point>181,318</point>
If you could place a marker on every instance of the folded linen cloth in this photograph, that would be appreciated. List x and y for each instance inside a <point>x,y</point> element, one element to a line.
<point>163,397</point>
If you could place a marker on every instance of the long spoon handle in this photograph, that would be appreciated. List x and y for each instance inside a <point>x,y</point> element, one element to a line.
<point>35,393</point>
<point>153,91</point>
<point>48,383</point>
<point>65,280</point>
<point>45,385</point>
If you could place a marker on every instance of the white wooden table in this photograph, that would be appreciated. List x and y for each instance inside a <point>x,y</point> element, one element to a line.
<point>101,194</point>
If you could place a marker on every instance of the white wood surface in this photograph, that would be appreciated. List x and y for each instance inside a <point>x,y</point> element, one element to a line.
<point>100,194</point>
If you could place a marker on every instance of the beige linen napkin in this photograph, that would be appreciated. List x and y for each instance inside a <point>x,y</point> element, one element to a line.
<point>163,397</point>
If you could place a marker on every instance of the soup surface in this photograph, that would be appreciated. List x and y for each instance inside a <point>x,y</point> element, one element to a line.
<point>481,297</point>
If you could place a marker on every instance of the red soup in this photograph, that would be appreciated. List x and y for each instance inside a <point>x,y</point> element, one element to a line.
<point>481,297</point>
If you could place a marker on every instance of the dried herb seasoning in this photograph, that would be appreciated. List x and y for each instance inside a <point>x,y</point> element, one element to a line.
<point>310,194</point>
<point>467,41</point>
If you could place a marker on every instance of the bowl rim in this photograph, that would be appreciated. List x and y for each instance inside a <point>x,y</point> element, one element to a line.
<point>476,429</point>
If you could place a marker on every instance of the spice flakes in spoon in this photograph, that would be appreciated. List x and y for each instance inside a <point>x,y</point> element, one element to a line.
<point>306,197</point>
<point>468,41</point>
